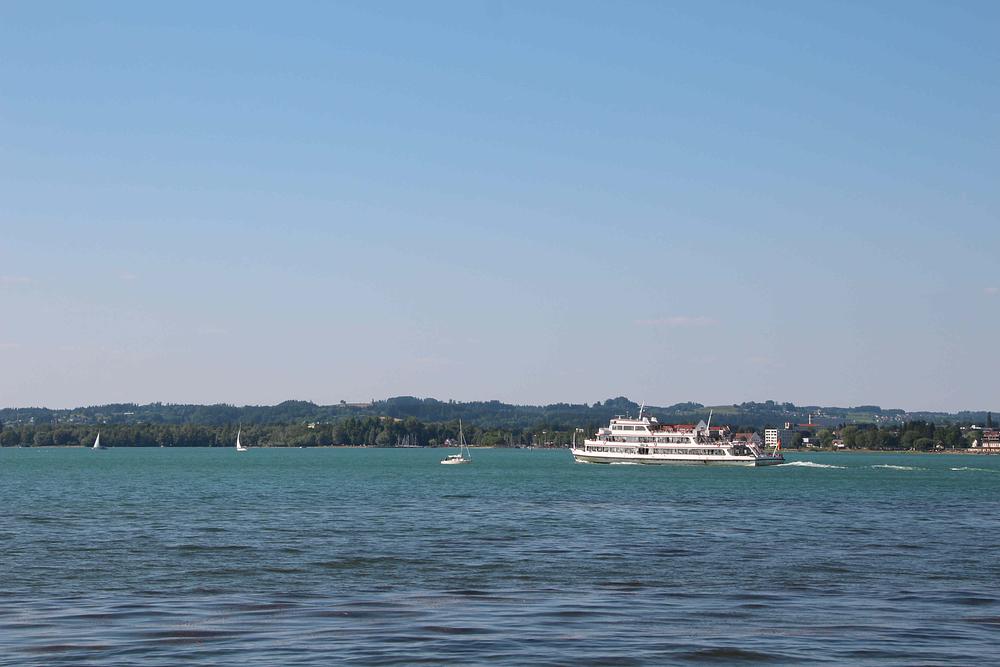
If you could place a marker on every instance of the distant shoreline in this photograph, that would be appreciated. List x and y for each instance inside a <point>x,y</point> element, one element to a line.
<point>261,447</point>
<point>481,447</point>
<point>888,451</point>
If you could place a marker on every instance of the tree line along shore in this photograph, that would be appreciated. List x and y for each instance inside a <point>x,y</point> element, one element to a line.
<point>382,431</point>
<point>483,414</point>
<point>350,431</point>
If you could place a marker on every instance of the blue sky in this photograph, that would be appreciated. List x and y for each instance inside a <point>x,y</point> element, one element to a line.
<point>533,202</point>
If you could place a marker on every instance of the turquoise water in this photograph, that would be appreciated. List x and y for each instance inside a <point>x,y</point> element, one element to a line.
<point>385,557</point>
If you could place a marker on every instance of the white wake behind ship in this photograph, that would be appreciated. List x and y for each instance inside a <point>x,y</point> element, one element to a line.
<point>645,440</point>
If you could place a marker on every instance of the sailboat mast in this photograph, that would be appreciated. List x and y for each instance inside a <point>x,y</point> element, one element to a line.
<point>462,447</point>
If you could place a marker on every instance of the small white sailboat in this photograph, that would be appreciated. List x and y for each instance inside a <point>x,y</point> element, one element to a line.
<point>97,443</point>
<point>239,447</point>
<point>464,455</point>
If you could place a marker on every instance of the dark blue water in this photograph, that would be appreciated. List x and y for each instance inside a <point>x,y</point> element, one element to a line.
<point>385,557</point>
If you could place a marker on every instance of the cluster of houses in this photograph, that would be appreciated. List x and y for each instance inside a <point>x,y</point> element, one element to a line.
<point>987,442</point>
<point>790,433</point>
<point>784,437</point>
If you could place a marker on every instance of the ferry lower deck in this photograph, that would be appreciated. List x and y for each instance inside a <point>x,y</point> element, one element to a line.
<point>599,451</point>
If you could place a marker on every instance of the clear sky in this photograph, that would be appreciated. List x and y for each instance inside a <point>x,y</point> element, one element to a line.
<point>530,201</point>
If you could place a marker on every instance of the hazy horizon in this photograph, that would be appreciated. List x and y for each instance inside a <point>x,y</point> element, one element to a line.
<point>713,202</point>
<point>648,404</point>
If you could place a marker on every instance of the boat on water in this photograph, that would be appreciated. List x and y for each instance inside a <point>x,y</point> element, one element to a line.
<point>239,447</point>
<point>97,446</point>
<point>645,440</point>
<point>464,455</point>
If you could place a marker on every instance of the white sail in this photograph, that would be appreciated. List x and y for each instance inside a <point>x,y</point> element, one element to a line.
<point>239,447</point>
<point>97,441</point>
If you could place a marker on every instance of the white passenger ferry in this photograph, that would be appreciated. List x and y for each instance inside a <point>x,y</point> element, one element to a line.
<point>645,440</point>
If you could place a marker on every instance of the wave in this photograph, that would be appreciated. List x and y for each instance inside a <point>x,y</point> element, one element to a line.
<point>892,467</point>
<point>811,464</point>
<point>970,469</point>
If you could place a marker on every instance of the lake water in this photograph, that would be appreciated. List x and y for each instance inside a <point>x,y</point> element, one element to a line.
<point>385,557</point>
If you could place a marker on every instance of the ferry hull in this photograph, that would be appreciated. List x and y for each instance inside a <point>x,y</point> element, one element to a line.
<point>745,461</point>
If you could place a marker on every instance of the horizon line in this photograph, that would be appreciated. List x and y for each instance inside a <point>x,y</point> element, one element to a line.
<point>361,404</point>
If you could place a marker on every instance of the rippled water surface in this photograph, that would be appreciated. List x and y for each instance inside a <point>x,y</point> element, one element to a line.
<point>385,557</point>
